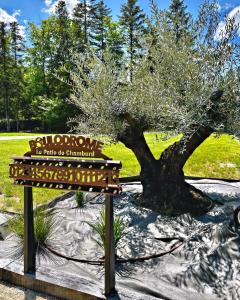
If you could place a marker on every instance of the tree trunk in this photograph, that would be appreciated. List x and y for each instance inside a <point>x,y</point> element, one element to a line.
<point>164,186</point>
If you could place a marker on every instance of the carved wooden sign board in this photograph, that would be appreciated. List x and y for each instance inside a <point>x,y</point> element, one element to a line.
<point>99,176</point>
<point>62,166</point>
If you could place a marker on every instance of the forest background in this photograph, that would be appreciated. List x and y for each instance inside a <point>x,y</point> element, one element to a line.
<point>31,95</point>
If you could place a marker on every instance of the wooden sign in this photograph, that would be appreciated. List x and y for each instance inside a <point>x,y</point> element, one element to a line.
<point>99,176</point>
<point>67,174</point>
<point>66,145</point>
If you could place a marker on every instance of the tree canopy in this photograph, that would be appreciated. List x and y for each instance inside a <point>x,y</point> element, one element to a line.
<point>189,86</point>
<point>193,84</point>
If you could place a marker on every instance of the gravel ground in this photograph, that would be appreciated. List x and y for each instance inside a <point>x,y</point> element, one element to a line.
<point>9,291</point>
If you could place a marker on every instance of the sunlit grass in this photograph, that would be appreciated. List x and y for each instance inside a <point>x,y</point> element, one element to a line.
<point>216,157</point>
<point>12,195</point>
<point>19,134</point>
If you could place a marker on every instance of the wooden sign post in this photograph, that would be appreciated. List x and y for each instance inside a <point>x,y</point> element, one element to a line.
<point>64,173</point>
<point>29,241</point>
<point>109,247</point>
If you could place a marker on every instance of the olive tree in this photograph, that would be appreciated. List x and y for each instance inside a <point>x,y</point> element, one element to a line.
<point>190,87</point>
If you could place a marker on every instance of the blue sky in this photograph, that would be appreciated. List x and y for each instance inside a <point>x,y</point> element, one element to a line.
<point>35,10</point>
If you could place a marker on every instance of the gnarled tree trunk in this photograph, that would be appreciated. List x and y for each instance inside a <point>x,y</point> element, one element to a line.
<point>164,186</point>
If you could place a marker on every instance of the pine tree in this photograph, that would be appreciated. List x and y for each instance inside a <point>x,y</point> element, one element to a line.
<point>133,20</point>
<point>77,33</point>
<point>16,42</point>
<point>80,17</point>
<point>179,19</point>
<point>64,44</point>
<point>16,50</point>
<point>63,32</point>
<point>84,15</point>
<point>4,63</point>
<point>102,13</point>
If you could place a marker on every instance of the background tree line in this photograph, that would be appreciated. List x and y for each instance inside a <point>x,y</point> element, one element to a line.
<point>30,67</point>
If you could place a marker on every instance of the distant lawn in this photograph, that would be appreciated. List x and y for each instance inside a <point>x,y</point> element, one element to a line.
<point>218,158</point>
<point>19,134</point>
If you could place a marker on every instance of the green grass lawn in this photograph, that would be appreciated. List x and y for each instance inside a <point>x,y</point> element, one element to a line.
<point>18,134</point>
<point>11,196</point>
<point>216,157</point>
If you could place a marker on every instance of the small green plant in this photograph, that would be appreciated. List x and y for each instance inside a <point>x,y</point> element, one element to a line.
<point>100,225</point>
<point>44,224</point>
<point>79,196</point>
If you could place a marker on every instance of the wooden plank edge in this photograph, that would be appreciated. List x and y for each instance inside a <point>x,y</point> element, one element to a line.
<point>55,290</point>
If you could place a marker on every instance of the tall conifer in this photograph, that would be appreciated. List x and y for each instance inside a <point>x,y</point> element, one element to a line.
<point>179,19</point>
<point>132,19</point>
<point>84,15</point>
<point>16,50</point>
<point>102,13</point>
<point>4,63</point>
<point>63,31</point>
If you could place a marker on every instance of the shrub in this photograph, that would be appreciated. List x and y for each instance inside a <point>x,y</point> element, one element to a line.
<point>79,196</point>
<point>44,223</point>
<point>100,225</point>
